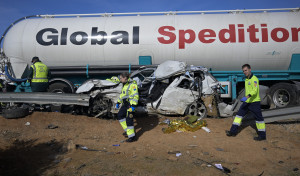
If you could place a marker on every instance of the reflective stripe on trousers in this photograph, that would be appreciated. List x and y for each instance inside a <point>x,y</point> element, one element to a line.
<point>123,124</point>
<point>237,120</point>
<point>130,131</point>
<point>260,125</point>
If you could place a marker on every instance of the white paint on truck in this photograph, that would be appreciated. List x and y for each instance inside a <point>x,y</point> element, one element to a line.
<point>221,41</point>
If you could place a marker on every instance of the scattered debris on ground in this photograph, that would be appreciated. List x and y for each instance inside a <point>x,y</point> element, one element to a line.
<point>63,144</point>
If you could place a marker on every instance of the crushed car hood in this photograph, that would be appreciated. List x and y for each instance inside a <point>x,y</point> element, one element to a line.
<point>88,85</point>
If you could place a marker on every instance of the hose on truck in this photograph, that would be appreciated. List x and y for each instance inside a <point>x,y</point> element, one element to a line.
<point>12,78</point>
<point>2,52</point>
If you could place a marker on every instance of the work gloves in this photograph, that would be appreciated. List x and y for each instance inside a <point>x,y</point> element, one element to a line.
<point>244,99</point>
<point>131,109</point>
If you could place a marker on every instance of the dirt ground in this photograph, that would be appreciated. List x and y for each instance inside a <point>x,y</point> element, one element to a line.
<point>43,143</point>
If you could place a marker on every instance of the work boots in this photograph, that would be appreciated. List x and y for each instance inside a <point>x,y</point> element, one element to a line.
<point>259,138</point>
<point>230,134</point>
<point>125,134</point>
<point>131,139</point>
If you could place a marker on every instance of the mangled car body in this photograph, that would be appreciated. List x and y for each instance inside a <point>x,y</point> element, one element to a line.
<point>171,88</point>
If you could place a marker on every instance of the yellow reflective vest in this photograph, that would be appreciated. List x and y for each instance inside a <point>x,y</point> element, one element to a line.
<point>40,72</point>
<point>252,89</point>
<point>129,93</point>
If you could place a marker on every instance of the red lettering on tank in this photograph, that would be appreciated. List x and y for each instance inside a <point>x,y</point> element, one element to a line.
<point>241,32</point>
<point>295,34</point>
<point>264,33</point>
<point>171,35</point>
<point>228,35</point>
<point>183,39</point>
<point>230,32</point>
<point>252,33</point>
<point>274,34</point>
<point>205,35</point>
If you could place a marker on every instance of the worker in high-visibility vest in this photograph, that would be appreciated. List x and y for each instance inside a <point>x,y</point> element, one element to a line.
<point>127,103</point>
<point>251,102</point>
<point>38,76</point>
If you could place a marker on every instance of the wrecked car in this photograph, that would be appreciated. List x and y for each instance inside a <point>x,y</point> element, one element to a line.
<point>171,88</point>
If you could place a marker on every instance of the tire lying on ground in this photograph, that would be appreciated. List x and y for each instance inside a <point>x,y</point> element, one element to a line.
<point>15,112</point>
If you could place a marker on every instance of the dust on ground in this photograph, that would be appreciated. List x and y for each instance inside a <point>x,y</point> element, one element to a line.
<point>44,143</point>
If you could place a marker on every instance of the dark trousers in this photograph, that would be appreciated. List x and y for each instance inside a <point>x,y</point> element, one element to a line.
<point>255,109</point>
<point>39,87</point>
<point>124,114</point>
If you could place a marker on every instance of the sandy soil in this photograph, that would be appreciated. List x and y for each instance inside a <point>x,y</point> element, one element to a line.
<point>35,149</point>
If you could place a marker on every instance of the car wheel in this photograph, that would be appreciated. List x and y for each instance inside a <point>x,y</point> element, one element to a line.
<point>197,109</point>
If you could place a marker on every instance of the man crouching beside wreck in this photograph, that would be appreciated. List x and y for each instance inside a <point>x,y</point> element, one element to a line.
<point>128,100</point>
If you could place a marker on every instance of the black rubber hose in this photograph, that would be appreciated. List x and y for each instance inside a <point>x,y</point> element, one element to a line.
<point>11,78</point>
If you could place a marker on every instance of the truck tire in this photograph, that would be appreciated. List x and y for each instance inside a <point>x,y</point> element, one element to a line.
<point>196,109</point>
<point>282,95</point>
<point>60,87</point>
<point>15,112</point>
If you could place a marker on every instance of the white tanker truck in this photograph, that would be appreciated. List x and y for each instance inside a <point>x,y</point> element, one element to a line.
<point>78,47</point>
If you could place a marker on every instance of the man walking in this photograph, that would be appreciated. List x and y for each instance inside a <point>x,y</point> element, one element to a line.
<point>128,99</point>
<point>251,102</point>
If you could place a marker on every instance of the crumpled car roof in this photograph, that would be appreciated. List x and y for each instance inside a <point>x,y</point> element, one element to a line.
<point>169,68</point>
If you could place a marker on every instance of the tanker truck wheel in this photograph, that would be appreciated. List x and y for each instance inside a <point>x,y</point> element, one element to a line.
<point>282,95</point>
<point>196,109</point>
<point>60,87</point>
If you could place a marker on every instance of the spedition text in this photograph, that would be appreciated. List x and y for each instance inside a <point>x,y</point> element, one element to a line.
<point>232,34</point>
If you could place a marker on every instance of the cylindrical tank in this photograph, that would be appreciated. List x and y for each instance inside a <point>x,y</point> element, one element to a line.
<point>265,40</point>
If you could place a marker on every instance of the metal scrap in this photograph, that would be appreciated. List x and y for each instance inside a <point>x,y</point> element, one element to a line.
<point>81,147</point>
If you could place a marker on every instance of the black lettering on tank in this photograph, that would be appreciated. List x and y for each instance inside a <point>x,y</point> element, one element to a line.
<point>63,39</point>
<point>53,39</point>
<point>83,40</point>
<point>119,37</point>
<point>98,35</point>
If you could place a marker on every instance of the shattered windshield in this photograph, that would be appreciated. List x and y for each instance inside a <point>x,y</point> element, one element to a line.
<point>140,75</point>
